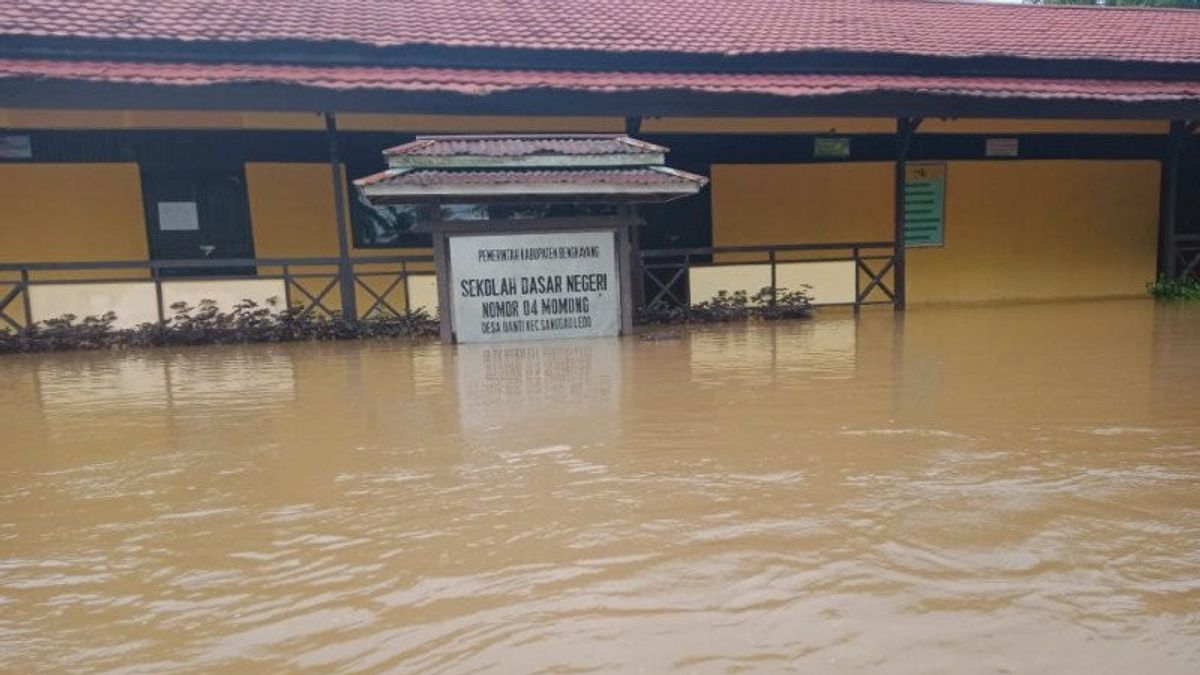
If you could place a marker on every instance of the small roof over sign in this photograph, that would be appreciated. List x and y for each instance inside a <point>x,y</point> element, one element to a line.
<point>517,151</point>
<point>544,168</point>
<point>637,184</point>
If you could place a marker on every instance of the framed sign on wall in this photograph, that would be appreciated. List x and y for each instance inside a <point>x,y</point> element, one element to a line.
<point>925,204</point>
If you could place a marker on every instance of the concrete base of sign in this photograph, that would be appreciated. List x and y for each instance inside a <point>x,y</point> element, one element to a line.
<point>534,279</point>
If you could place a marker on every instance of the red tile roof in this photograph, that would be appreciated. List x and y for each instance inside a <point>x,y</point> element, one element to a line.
<point>918,27</point>
<point>481,82</point>
<point>642,184</point>
<point>778,48</point>
<point>525,145</point>
<point>644,176</point>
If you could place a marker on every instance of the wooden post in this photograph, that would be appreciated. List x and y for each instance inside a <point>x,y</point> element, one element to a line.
<point>636,271</point>
<point>857,281</point>
<point>28,305</point>
<point>1168,204</point>
<point>905,126</point>
<point>441,264</point>
<point>625,272</point>
<point>345,266</point>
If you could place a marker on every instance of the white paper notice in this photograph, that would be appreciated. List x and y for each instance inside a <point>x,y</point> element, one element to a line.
<point>178,216</point>
<point>534,286</point>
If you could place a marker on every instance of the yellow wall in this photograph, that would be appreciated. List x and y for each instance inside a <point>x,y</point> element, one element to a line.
<point>810,203</point>
<point>1014,230</point>
<point>291,210</point>
<point>26,118</point>
<point>770,125</point>
<point>292,215</point>
<point>69,212</point>
<point>1009,126</point>
<point>478,123</point>
<point>1042,230</point>
<point>32,118</point>
<point>882,125</point>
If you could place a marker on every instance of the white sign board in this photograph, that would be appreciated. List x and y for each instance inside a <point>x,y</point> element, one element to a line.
<point>178,216</point>
<point>534,286</point>
<point>15,147</point>
<point>1001,147</point>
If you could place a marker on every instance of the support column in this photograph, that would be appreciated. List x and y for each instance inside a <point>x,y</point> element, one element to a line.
<point>1169,200</point>
<point>905,127</point>
<point>636,270</point>
<point>633,257</point>
<point>345,267</point>
<point>441,265</point>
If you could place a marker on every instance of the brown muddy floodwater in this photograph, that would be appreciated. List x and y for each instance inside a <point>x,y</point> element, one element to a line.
<point>980,490</point>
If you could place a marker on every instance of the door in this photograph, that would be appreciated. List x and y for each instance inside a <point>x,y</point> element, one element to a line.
<point>198,215</point>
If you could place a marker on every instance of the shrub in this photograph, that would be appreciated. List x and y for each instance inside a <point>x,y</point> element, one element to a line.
<point>736,306</point>
<point>787,304</point>
<point>206,324</point>
<point>1185,288</point>
<point>722,308</point>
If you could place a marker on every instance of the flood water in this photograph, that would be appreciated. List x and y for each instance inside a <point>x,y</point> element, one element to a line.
<point>971,490</point>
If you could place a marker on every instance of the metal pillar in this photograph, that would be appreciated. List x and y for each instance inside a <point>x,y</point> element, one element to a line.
<point>345,266</point>
<point>905,127</point>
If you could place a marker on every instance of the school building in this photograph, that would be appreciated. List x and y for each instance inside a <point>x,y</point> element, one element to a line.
<point>882,151</point>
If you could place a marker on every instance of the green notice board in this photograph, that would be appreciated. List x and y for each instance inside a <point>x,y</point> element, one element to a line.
<point>925,205</point>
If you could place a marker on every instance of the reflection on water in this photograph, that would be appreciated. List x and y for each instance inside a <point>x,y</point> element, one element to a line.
<point>525,383</point>
<point>1007,489</point>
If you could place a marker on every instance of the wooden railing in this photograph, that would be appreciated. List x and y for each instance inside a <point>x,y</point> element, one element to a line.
<point>308,283</point>
<point>665,272</point>
<point>1187,256</point>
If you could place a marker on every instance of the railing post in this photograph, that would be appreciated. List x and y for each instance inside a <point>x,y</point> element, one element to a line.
<point>404,280</point>
<point>345,265</point>
<point>636,262</point>
<point>687,283</point>
<point>158,294</point>
<point>857,280</point>
<point>287,289</point>
<point>25,298</point>
<point>771,258</point>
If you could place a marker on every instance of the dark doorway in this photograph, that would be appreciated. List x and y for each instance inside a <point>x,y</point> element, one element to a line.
<point>198,215</point>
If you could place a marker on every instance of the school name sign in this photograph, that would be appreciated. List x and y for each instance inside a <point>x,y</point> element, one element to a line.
<point>534,286</point>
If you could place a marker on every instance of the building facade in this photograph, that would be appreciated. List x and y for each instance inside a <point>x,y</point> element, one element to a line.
<point>179,159</point>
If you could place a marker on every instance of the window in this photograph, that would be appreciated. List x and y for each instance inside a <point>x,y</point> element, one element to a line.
<point>384,226</point>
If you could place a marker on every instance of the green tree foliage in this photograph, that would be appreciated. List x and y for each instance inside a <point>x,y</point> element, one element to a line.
<point>1185,4</point>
